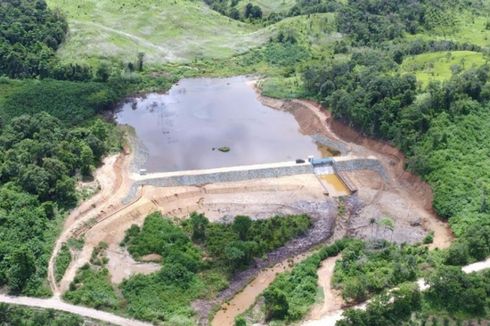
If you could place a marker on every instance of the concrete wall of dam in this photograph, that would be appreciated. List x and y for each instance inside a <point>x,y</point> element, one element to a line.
<point>248,172</point>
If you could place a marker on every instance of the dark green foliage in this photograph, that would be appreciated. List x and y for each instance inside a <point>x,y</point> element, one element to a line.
<point>291,294</point>
<point>62,262</point>
<point>240,321</point>
<point>23,245</point>
<point>241,226</point>
<point>71,102</point>
<point>365,269</point>
<point>30,33</point>
<point>16,315</point>
<point>304,7</point>
<point>92,287</point>
<point>39,158</point>
<point>185,276</point>
<point>39,154</point>
<point>161,236</point>
<point>387,310</point>
<point>276,303</point>
<point>252,11</point>
<point>444,133</point>
<point>21,269</point>
<point>234,247</point>
<point>454,291</point>
<point>372,22</point>
<point>199,223</point>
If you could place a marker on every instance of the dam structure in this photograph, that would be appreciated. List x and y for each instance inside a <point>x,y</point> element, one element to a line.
<point>335,166</point>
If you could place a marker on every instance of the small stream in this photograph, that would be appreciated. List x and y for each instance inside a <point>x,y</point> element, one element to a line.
<point>186,128</point>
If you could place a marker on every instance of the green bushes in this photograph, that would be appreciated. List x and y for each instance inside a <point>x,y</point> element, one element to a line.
<point>62,261</point>
<point>16,315</point>
<point>291,294</point>
<point>367,268</point>
<point>456,292</point>
<point>92,287</point>
<point>391,309</point>
<point>235,245</point>
<point>185,275</point>
<point>71,102</point>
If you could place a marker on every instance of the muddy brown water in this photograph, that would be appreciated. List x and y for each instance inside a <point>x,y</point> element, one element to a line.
<point>183,129</point>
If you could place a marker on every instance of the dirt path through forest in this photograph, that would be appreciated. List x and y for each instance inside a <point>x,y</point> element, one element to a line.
<point>113,178</point>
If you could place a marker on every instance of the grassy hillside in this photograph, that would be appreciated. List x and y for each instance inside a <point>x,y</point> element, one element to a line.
<point>439,66</point>
<point>469,27</point>
<point>179,30</point>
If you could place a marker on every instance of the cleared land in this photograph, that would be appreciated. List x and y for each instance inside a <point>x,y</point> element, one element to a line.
<point>165,31</point>
<point>439,66</point>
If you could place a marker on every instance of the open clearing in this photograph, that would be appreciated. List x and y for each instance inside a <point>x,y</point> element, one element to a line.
<point>165,31</point>
<point>437,66</point>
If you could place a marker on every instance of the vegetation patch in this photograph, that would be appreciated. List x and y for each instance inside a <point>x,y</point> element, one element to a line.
<point>92,285</point>
<point>199,258</point>
<point>440,66</point>
<point>62,262</point>
<point>17,315</point>
<point>367,268</point>
<point>291,294</point>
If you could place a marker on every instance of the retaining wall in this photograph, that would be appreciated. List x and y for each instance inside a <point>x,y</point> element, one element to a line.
<point>204,178</point>
<point>360,164</point>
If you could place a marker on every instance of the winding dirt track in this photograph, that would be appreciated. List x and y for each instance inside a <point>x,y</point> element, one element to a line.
<point>57,304</point>
<point>331,318</point>
<point>113,178</point>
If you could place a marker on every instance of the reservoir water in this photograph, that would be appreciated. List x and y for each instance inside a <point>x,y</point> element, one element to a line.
<point>184,129</point>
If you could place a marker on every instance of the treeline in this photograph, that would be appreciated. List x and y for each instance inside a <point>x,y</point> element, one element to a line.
<point>39,158</point>
<point>367,268</point>
<point>439,132</point>
<point>451,292</point>
<point>231,9</point>
<point>254,13</point>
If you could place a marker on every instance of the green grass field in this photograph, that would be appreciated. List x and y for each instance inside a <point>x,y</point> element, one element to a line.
<point>176,31</point>
<point>439,65</point>
<point>468,28</point>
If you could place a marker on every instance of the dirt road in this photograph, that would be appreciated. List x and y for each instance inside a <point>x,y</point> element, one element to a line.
<point>332,301</point>
<point>113,178</point>
<point>331,318</point>
<point>56,304</point>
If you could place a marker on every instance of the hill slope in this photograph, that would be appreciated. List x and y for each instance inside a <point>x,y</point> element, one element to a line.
<point>177,31</point>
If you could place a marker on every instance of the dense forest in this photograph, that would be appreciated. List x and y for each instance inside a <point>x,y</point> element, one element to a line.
<point>49,138</point>
<point>30,34</point>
